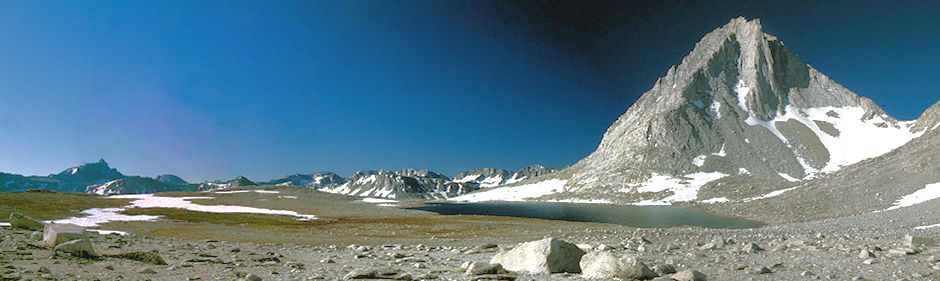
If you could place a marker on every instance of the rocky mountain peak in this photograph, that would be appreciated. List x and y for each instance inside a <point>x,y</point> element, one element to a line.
<point>96,172</point>
<point>740,103</point>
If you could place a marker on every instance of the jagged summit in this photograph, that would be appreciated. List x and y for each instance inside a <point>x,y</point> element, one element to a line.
<point>739,104</point>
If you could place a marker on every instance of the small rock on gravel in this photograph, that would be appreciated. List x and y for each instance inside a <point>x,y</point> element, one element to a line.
<point>689,275</point>
<point>481,268</point>
<point>751,248</point>
<point>663,269</point>
<point>150,257</point>
<point>392,274</point>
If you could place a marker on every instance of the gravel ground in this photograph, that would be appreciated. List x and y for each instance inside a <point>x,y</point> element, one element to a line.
<point>825,250</point>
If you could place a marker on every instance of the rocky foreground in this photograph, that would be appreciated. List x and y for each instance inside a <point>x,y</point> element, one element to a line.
<point>826,250</point>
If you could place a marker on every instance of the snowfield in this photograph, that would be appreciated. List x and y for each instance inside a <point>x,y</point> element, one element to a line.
<point>683,189</point>
<point>515,193</point>
<point>929,192</point>
<point>98,216</point>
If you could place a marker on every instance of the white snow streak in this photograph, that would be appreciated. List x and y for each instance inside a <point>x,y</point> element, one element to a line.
<point>927,226</point>
<point>787,177</point>
<point>716,200</point>
<point>378,200</point>
<point>768,195</point>
<point>246,191</point>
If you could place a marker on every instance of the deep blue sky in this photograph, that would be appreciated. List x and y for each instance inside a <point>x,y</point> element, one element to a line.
<point>212,90</point>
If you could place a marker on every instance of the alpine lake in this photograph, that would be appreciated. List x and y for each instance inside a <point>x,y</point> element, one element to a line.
<point>645,216</point>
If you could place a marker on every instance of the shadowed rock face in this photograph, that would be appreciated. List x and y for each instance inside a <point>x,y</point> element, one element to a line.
<point>740,103</point>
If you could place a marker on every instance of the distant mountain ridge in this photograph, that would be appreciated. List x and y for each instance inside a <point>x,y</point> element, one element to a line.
<point>492,177</point>
<point>99,178</point>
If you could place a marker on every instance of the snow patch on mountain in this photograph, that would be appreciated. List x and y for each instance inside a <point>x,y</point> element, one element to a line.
<point>515,193</point>
<point>929,192</point>
<point>769,195</point>
<point>683,188</point>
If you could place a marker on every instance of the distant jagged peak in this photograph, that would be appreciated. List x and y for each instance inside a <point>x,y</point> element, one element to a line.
<point>169,178</point>
<point>241,181</point>
<point>423,173</point>
<point>94,172</point>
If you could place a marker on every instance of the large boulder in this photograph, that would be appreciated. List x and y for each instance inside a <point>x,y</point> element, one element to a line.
<point>605,265</point>
<point>548,255</point>
<point>78,247</point>
<point>21,221</point>
<point>55,234</point>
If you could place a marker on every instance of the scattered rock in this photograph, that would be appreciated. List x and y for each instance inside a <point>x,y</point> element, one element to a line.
<point>663,269</point>
<point>548,255</point>
<point>605,265</point>
<point>494,277</point>
<point>44,270</point>
<point>763,270</point>
<point>909,241</point>
<point>738,266</point>
<point>689,275</point>
<point>252,277</point>
<point>870,261</point>
<point>904,251</point>
<point>392,274</point>
<point>865,254</point>
<point>481,268</point>
<point>148,271</point>
<point>21,221</point>
<point>751,248</point>
<point>150,257</point>
<point>78,247</point>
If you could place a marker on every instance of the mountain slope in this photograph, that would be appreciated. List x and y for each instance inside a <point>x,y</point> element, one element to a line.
<point>871,185</point>
<point>136,185</point>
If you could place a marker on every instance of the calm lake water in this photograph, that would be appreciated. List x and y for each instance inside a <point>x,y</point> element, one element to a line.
<point>635,216</point>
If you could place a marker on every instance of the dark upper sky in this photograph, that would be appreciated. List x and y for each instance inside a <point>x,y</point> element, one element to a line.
<point>215,89</point>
